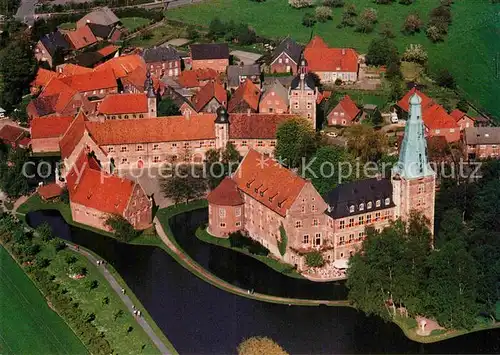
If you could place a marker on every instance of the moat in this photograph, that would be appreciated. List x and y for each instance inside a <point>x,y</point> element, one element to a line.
<point>200,318</point>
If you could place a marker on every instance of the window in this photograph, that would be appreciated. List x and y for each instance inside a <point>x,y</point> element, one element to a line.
<point>260,143</point>
<point>361,206</point>
<point>272,143</point>
<point>123,148</point>
<point>452,130</point>
<point>156,159</point>
<point>437,131</point>
<point>280,61</point>
<point>317,239</point>
<point>238,212</point>
<point>315,222</point>
<point>305,239</point>
<point>243,143</point>
<point>174,145</point>
<point>387,201</point>
<point>351,209</point>
<point>139,148</point>
<point>377,203</point>
<point>222,213</point>
<point>237,224</point>
<point>351,237</point>
<point>368,218</point>
<point>377,216</point>
<point>314,208</point>
<point>298,224</point>
<point>111,149</point>
<point>369,205</point>
<point>223,225</point>
<point>351,222</point>
<point>124,160</point>
<point>286,60</point>
<point>342,224</point>
<point>186,144</point>
<point>361,220</point>
<point>303,209</point>
<point>342,240</point>
<point>156,146</point>
<point>361,235</point>
<point>335,113</point>
<point>421,189</point>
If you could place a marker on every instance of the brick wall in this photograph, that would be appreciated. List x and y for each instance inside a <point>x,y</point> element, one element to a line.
<point>219,65</point>
<point>283,64</point>
<point>223,220</point>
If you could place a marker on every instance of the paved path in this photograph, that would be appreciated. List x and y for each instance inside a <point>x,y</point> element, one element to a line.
<point>124,297</point>
<point>192,265</point>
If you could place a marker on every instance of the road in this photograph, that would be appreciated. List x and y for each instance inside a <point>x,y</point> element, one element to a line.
<point>26,12</point>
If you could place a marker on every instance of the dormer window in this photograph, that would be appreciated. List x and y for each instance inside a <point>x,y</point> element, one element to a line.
<point>387,201</point>
<point>377,203</point>
<point>369,205</point>
<point>361,206</point>
<point>351,209</point>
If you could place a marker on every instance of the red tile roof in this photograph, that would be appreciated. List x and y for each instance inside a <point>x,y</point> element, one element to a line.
<point>108,50</point>
<point>211,90</point>
<point>91,81</point>
<point>43,76</point>
<point>95,189</point>
<point>404,103</point>
<point>457,114</point>
<point>11,134</point>
<point>349,107</point>
<point>321,58</point>
<point>192,78</point>
<point>137,77</point>
<point>249,93</point>
<point>436,117</point>
<point>123,65</point>
<point>116,104</point>
<point>255,126</point>
<point>226,194</point>
<point>268,182</point>
<point>49,191</point>
<point>50,126</point>
<point>166,129</point>
<point>81,37</point>
<point>24,142</point>
<point>73,69</point>
<point>73,135</point>
<point>62,94</point>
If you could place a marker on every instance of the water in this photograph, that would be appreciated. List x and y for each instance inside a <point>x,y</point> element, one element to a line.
<point>199,318</point>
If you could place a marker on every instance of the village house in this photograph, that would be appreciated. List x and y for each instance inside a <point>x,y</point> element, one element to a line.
<point>14,136</point>
<point>49,46</point>
<point>93,84</point>
<point>210,56</point>
<point>437,121</point>
<point>286,57</point>
<point>463,120</point>
<point>80,38</point>
<point>344,114</point>
<point>126,106</point>
<point>238,74</point>
<point>208,99</point>
<point>245,98</point>
<point>285,213</point>
<point>274,99</point>
<point>331,64</point>
<point>102,16</point>
<point>46,133</point>
<point>481,142</point>
<point>162,61</point>
<point>194,80</point>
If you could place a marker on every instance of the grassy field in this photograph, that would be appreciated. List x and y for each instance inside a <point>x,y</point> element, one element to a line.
<point>27,324</point>
<point>158,35</point>
<point>133,23</point>
<point>470,50</point>
<point>67,26</point>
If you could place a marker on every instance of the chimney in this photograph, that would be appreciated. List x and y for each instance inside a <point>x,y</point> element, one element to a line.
<point>343,51</point>
<point>249,111</point>
<point>187,114</point>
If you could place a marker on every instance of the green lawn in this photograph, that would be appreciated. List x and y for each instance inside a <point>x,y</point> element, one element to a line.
<point>67,26</point>
<point>285,269</point>
<point>133,23</point>
<point>158,35</point>
<point>27,324</point>
<point>469,50</point>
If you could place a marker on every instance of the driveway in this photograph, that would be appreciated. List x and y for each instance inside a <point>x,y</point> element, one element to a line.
<point>26,12</point>
<point>246,57</point>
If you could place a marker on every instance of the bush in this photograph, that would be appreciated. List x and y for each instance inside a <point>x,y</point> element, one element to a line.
<point>445,79</point>
<point>238,240</point>
<point>58,245</point>
<point>434,34</point>
<point>260,345</point>
<point>415,53</point>
<point>308,20</point>
<point>298,4</point>
<point>323,13</point>
<point>283,241</point>
<point>122,228</point>
<point>338,82</point>
<point>44,231</point>
<point>412,24</point>
<point>315,259</point>
<point>333,3</point>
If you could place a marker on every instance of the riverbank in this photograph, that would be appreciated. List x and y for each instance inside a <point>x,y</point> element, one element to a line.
<point>283,268</point>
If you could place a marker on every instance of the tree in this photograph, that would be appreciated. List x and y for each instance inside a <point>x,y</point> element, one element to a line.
<point>216,28</point>
<point>367,20</point>
<point>296,142</point>
<point>412,24</point>
<point>366,143</point>
<point>463,105</point>
<point>323,13</point>
<point>309,20</point>
<point>450,227</point>
<point>445,79</point>
<point>315,259</point>
<point>298,4</point>
<point>333,3</point>
<point>328,167</point>
<point>415,53</point>
<point>44,231</point>
<point>122,228</point>
<point>434,34</point>
<point>14,173</point>
<point>260,346</point>
<point>245,35</point>
<point>185,184</point>
<point>380,51</point>
<point>386,30</point>
<point>230,154</point>
<point>17,70</point>
<point>167,107</point>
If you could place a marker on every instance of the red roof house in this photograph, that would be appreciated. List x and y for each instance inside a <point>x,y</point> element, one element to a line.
<point>81,37</point>
<point>49,191</point>
<point>344,114</point>
<point>208,99</point>
<point>12,135</point>
<point>132,105</point>
<point>46,132</point>
<point>245,98</point>
<point>463,120</point>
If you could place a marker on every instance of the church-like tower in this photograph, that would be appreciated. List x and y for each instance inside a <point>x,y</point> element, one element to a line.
<point>150,93</point>
<point>304,93</point>
<point>413,180</point>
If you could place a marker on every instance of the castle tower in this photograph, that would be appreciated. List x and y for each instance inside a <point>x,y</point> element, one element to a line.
<point>150,93</point>
<point>304,93</point>
<point>221,128</point>
<point>413,180</point>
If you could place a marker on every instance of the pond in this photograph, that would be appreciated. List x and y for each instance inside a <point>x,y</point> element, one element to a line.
<point>199,318</point>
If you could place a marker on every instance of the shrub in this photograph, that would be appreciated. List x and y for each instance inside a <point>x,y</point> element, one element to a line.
<point>367,20</point>
<point>122,228</point>
<point>445,79</point>
<point>283,241</point>
<point>308,20</point>
<point>415,53</point>
<point>315,259</point>
<point>58,245</point>
<point>338,82</point>
<point>323,13</point>
<point>260,345</point>
<point>412,24</point>
<point>298,4</point>
<point>434,34</point>
<point>44,231</point>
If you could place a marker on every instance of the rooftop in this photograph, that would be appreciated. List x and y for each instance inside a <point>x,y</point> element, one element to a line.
<point>116,104</point>
<point>209,51</point>
<point>482,135</point>
<point>226,194</point>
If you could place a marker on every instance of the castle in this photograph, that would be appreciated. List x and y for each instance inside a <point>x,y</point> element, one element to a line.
<point>274,206</point>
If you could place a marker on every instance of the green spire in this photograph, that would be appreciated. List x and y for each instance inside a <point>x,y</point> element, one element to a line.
<point>413,162</point>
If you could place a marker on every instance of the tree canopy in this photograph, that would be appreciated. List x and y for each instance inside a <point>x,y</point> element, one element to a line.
<point>296,142</point>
